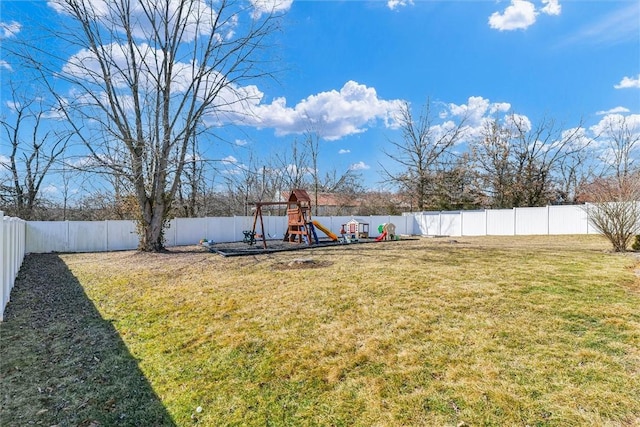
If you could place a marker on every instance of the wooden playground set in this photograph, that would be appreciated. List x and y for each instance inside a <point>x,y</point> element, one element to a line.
<point>301,230</point>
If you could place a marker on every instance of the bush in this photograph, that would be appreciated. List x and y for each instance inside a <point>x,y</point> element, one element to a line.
<point>636,245</point>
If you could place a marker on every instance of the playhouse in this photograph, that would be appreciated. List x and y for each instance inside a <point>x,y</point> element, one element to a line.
<point>388,232</point>
<point>299,217</point>
<point>355,229</point>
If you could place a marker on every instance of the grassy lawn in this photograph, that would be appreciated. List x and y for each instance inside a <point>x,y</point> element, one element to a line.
<point>527,331</point>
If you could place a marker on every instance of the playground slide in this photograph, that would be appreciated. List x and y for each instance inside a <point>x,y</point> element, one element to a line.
<point>325,230</point>
<point>381,237</point>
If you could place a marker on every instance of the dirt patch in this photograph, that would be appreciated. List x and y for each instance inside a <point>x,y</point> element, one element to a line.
<point>301,264</point>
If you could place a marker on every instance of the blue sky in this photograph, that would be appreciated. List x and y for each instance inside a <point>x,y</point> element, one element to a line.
<point>348,65</point>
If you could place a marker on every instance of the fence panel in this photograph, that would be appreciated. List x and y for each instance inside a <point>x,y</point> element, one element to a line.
<point>47,236</point>
<point>531,221</point>
<point>568,220</point>
<point>450,223</point>
<point>87,236</point>
<point>12,250</point>
<point>228,229</point>
<point>428,223</point>
<point>121,235</point>
<point>474,223</point>
<point>500,222</point>
<point>189,231</point>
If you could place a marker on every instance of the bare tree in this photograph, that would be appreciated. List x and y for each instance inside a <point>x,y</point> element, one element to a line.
<point>342,186</point>
<point>621,137</point>
<point>454,187</point>
<point>293,166</point>
<point>517,163</point>
<point>496,174</point>
<point>575,171</point>
<point>615,211</point>
<point>312,144</point>
<point>34,148</point>
<point>424,150</point>
<point>244,186</point>
<point>146,76</point>
<point>191,186</point>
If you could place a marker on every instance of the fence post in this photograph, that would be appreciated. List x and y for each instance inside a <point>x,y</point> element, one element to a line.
<point>4,296</point>
<point>67,243</point>
<point>12,254</point>
<point>106,235</point>
<point>548,219</point>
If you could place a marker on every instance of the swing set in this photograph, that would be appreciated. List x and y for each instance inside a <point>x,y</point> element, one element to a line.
<point>300,226</point>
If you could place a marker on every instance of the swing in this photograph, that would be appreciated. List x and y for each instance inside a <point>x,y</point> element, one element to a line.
<point>268,233</point>
<point>249,235</point>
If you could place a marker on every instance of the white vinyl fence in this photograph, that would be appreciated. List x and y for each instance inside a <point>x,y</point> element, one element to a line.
<point>12,250</point>
<point>98,236</point>
<point>505,222</point>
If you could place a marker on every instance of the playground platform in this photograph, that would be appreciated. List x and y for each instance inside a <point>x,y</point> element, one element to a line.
<point>277,245</point>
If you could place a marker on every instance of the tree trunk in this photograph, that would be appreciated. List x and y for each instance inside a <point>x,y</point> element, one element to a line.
<point>151,228</point>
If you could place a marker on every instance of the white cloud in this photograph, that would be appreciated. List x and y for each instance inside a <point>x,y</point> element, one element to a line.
<point>13,106</point>
<point>520,15</point>
<point>4,160</point>
<point>578,138</point>
<point>9,29</point>
<point>359,166</point>
<point>615,110</point>
<point>395,4</point>
<point>334,114</point>
<point>518,121</point>
<point>344,151</point>
<point>552,7</point>
<point>476,110</point>
<point>269,6</point>
<point>629,82</point>
<point>475,113</point>
<point>229,160</point>
<point>613,123</point>
<point>4,64</point>
<point>240,142</point>
<point>85,162</point>
<point>50,190</point>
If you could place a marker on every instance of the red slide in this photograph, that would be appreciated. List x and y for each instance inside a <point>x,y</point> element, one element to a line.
<point>381,237</point>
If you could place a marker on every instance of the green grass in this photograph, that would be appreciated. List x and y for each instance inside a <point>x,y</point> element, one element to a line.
<point>537,331</point>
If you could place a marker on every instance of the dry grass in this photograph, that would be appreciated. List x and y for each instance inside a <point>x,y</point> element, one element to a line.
<point>482,331</point>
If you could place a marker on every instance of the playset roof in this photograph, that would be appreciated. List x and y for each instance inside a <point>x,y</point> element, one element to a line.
<point>299,195</point>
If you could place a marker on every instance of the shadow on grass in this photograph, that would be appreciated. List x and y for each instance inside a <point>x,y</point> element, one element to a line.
<point>61,363</point>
